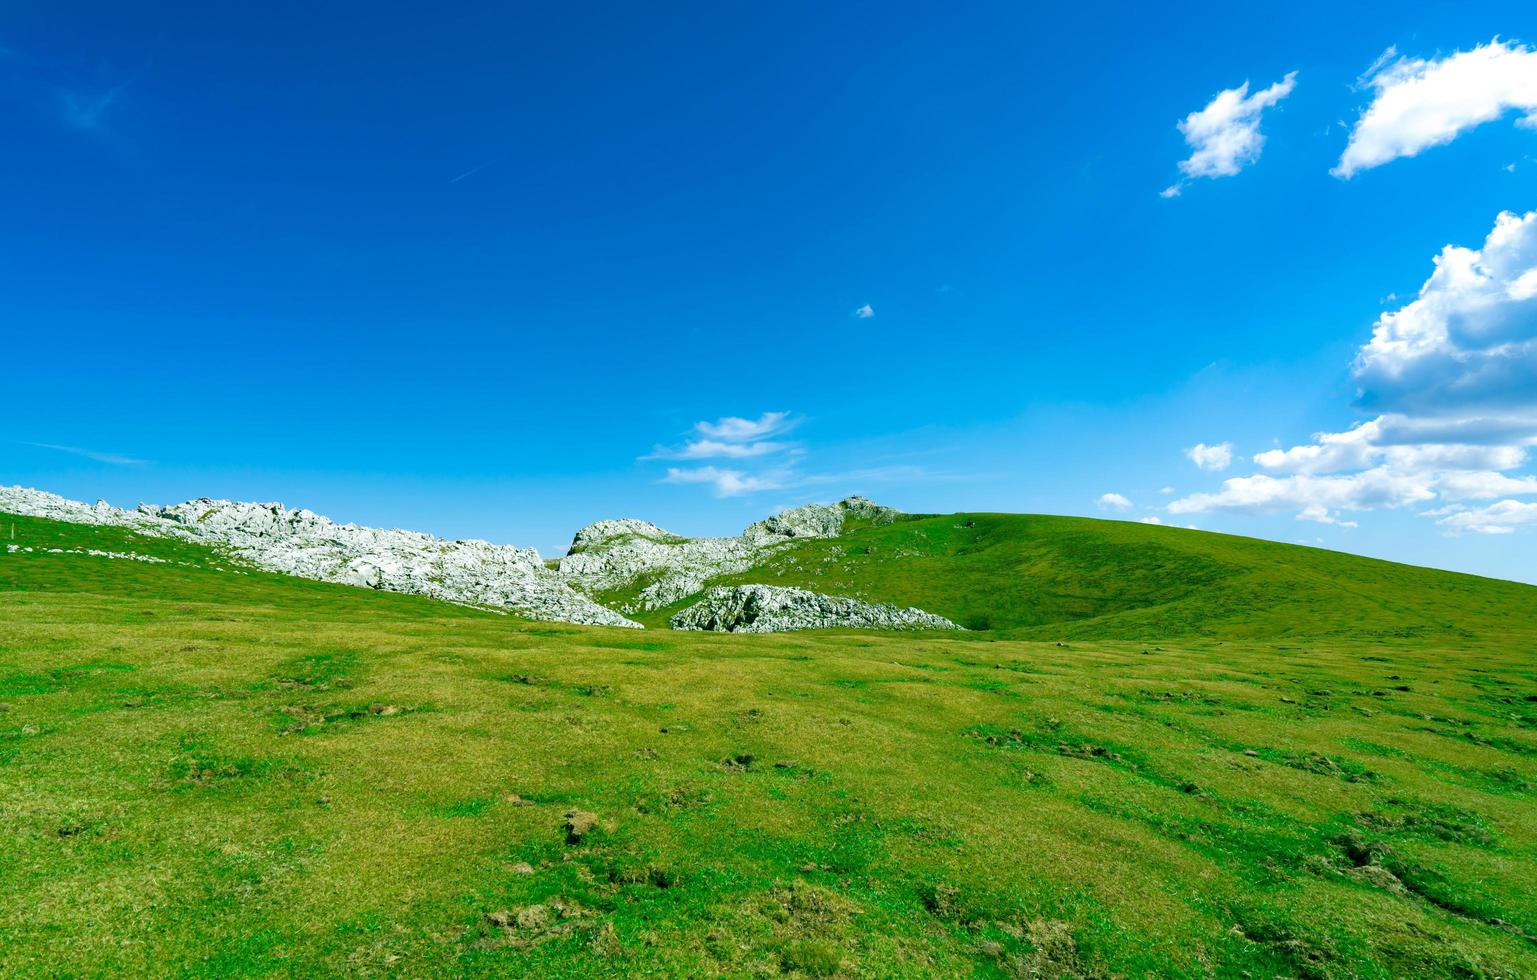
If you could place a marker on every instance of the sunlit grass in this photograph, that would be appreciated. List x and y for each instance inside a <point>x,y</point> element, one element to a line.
<point>214,774</point>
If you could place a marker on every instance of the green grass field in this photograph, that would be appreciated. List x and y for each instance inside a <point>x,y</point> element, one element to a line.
<point>1161,753</point>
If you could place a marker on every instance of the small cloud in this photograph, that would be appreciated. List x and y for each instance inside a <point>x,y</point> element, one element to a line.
<point>1224,135</point>
<point>715,449</point>
<point>865,312</point>
<point>734,429</point>
<point>1165,490</point>
<point>1319,514</point>
<point>1114,501</point>
<point>112,459</point>
<point>725,482</point>
<point>1213,458</point>
<point>1150,519</point>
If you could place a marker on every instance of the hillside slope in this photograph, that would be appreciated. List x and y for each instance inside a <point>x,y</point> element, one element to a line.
<point>1002,574</point>
<point>1064,577</point>
<point>207,770</point>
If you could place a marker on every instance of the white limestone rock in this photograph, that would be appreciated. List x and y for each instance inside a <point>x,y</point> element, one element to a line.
<point>605,556</point>
<point>611,555</point>
<point>774,609</point>
<point>308,545</point>
<point>601,533</point>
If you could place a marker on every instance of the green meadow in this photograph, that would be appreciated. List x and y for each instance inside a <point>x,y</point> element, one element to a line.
<point>1155,752</point>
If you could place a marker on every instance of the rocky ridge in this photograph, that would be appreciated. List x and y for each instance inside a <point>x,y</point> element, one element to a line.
<point>605,557</point>
<point>613,555</point>
<point>775,609</point>
<point>305,544</point>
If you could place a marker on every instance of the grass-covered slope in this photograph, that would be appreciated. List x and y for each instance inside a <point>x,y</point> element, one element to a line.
<point>205,773</point>
<point>1065,577</point>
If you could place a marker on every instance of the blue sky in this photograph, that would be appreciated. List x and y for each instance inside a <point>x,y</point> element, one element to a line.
<point>499,271</point>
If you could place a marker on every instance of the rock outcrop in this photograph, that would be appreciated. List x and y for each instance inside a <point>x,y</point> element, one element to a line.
<point>612,555</point>
<point>305,544</point>
<point>615,555</point>
<point>774,609</point>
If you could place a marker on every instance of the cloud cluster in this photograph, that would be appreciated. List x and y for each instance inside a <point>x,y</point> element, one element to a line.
<point>1418,103</point>
<point>1224,136</point>
<point>1469,340</point>
<point>1454,375</point>
<point>734,438</point>
<point>763,463</point>
<point>1218,457</point>
<point>1500,518</point>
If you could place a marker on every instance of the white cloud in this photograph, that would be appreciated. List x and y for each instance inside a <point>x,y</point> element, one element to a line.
<point>1320,514</point>
<point>733,429</point>
<point>1500,518</point>
<point>1165,490</point>
<point>865,312</point>
<point>715,449</point>
<point>1265,494</point>
<point>112,459</point>
<point>1114,501</point>
<point>1215,458</point>
<point>732,438</point>
<point>1225,135</point>
<point>726,482</point>
<point>1453,373</point>
<point>1150,519</point>
<point>1367,445</point>
<point>1469,339</point>
<point>1418,104</point>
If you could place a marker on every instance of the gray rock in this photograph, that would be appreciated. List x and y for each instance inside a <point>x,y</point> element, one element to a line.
<point>605,556</point>
<point>773,609</point>
<point>307,545</point>
<point>612,555</point>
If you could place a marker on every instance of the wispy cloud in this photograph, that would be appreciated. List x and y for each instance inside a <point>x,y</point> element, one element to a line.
<point>734,429</point>
<point>727,482</point>
<point>716,449</point>
<point>112,459</point>
<point>731,437</point>
<point>758,464</point>
<point>473,171</point>
<point>1418,103</point>
<point>1224,136</point>
<point>86,110</point>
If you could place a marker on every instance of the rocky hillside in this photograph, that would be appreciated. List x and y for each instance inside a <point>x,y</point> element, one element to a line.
<point>614,568</point>
<point>302,543</point>
<point>776,609</point>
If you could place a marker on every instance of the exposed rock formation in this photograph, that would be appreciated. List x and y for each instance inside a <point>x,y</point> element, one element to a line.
<point>607,556</point>
<point>302,543</point>
<point>611,555</point>
<point>773,609</point>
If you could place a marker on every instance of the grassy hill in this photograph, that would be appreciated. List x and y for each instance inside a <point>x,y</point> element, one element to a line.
<point>1172,754</point>
<point>1069,577</point>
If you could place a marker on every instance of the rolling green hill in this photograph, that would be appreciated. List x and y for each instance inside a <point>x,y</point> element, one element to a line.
<point>1069,577</point>
<point>1170,754</point>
